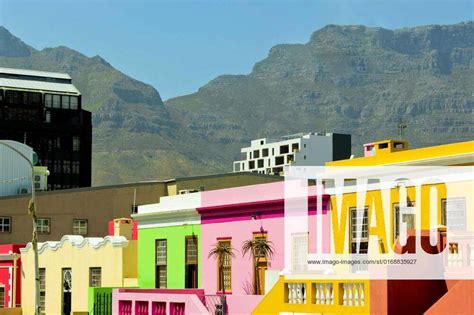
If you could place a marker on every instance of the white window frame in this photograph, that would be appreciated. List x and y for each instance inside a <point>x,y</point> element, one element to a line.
<point>3,225</point>
<point>80,226</point>
<point>44,229</point>
<point>95,276</point>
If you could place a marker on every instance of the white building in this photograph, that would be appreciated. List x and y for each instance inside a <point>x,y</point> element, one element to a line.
<point>15,171</point>
<point>266,156</point>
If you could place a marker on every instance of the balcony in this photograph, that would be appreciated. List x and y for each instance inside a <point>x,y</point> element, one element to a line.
<point>317,296</point>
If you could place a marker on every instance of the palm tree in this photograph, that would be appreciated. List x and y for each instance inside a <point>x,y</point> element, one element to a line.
<point>220,251</point>
<point>259,248</point>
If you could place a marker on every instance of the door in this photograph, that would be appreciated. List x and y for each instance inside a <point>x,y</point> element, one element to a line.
<point>67,291</point>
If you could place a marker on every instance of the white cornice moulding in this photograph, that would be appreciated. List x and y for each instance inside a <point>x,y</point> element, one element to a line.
<point>78,241</point>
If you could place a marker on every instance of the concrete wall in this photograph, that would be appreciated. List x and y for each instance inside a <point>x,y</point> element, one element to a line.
<point>97,205</point>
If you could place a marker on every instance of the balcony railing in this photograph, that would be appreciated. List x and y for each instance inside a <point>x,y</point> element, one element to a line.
<point>324,293</point>
<point>460,254</point>
<point>327,293</point>
<point>296,293</point>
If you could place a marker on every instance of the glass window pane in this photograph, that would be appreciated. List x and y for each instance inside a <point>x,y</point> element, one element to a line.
<point>56,101</point>
<point>73,102</point>
<point>65,101</point>
<point>48,100</point>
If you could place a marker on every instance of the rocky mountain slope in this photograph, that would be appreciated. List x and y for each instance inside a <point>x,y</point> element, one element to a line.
<point>351,79</point>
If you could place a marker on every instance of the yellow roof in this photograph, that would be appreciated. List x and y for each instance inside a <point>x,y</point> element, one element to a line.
<point>459,153</point>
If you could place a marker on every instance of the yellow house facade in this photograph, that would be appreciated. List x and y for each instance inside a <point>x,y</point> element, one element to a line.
<point>72,265</point>
<point>306,294</point>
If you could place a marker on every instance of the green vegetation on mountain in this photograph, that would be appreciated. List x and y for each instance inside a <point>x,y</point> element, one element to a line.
<point>351,79</point>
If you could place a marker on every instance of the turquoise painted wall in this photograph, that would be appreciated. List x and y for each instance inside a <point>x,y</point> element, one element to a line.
<point>176,237</point>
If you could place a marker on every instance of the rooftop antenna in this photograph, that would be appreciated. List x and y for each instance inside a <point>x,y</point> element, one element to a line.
<point>401,127</point>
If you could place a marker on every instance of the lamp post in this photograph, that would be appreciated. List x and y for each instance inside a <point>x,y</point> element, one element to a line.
<point>32,213</point>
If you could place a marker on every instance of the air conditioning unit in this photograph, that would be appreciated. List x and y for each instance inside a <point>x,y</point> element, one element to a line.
<point>40,178</point>
<point>24,190</point>
<point>40,182</point>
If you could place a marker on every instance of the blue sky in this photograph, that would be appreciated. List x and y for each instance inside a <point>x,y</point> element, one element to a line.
<point>178,46</point>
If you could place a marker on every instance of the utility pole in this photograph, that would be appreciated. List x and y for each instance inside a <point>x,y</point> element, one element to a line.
<point>32,213</point>
<point>401,127</point>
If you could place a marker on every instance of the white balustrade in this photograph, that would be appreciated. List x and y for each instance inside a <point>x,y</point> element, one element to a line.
<point>353,294</point>
<point>324,293</point>
<point>296,293</point>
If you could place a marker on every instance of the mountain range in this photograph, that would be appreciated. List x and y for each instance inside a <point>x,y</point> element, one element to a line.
<point>349,79</point>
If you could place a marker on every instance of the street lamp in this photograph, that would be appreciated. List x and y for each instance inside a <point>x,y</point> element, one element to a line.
<point>32,213</point>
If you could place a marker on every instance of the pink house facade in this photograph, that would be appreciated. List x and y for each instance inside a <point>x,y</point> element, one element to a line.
<point>239,214</point>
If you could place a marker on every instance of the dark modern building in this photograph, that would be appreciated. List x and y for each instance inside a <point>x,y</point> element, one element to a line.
<point>44,111</point>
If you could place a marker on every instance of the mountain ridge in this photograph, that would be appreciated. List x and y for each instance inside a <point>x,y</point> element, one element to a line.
<point>351,79</point>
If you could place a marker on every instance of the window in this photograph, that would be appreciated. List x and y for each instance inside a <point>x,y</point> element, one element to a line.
<point>284,149</point>
<point>42,280</point>
<point>279,160</point>
<point>260,163</point>
<point>251,165</point>
<point>64,101</point>
<point>256,154</point>
<point>43,226</point>
<point>453,213</point>
<point>47,116</point>
<point>48,100</point>
<point>264,152</point>
<point>56,101</point>
<point>295,147</point>
<point>383,145</point>
<point>359,232</point>
<point>66,167</point>
<point>79,227</point>
<point>75,167</point>
<point>260,266</point>
<point>76,144</point>
<point>227,270</point>
<point>57,143</point>
<point>398,145</point>
<point>408,217</point>
<point>2,297</point>
<point>161,257</point>
<point>57,166</point>
<point>95,277</point>
<point>299,251</point>
<point>5,224</point>
<point>191,256</point>
<point>73,102</point>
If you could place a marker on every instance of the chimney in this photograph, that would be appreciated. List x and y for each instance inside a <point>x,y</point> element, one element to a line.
<point>123,227</point>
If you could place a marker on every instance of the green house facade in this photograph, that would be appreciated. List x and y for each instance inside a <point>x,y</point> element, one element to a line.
<point>169,240</point>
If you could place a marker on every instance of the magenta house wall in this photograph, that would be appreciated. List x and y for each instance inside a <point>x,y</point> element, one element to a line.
<point>238,213</point>
<point>158,302</point>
